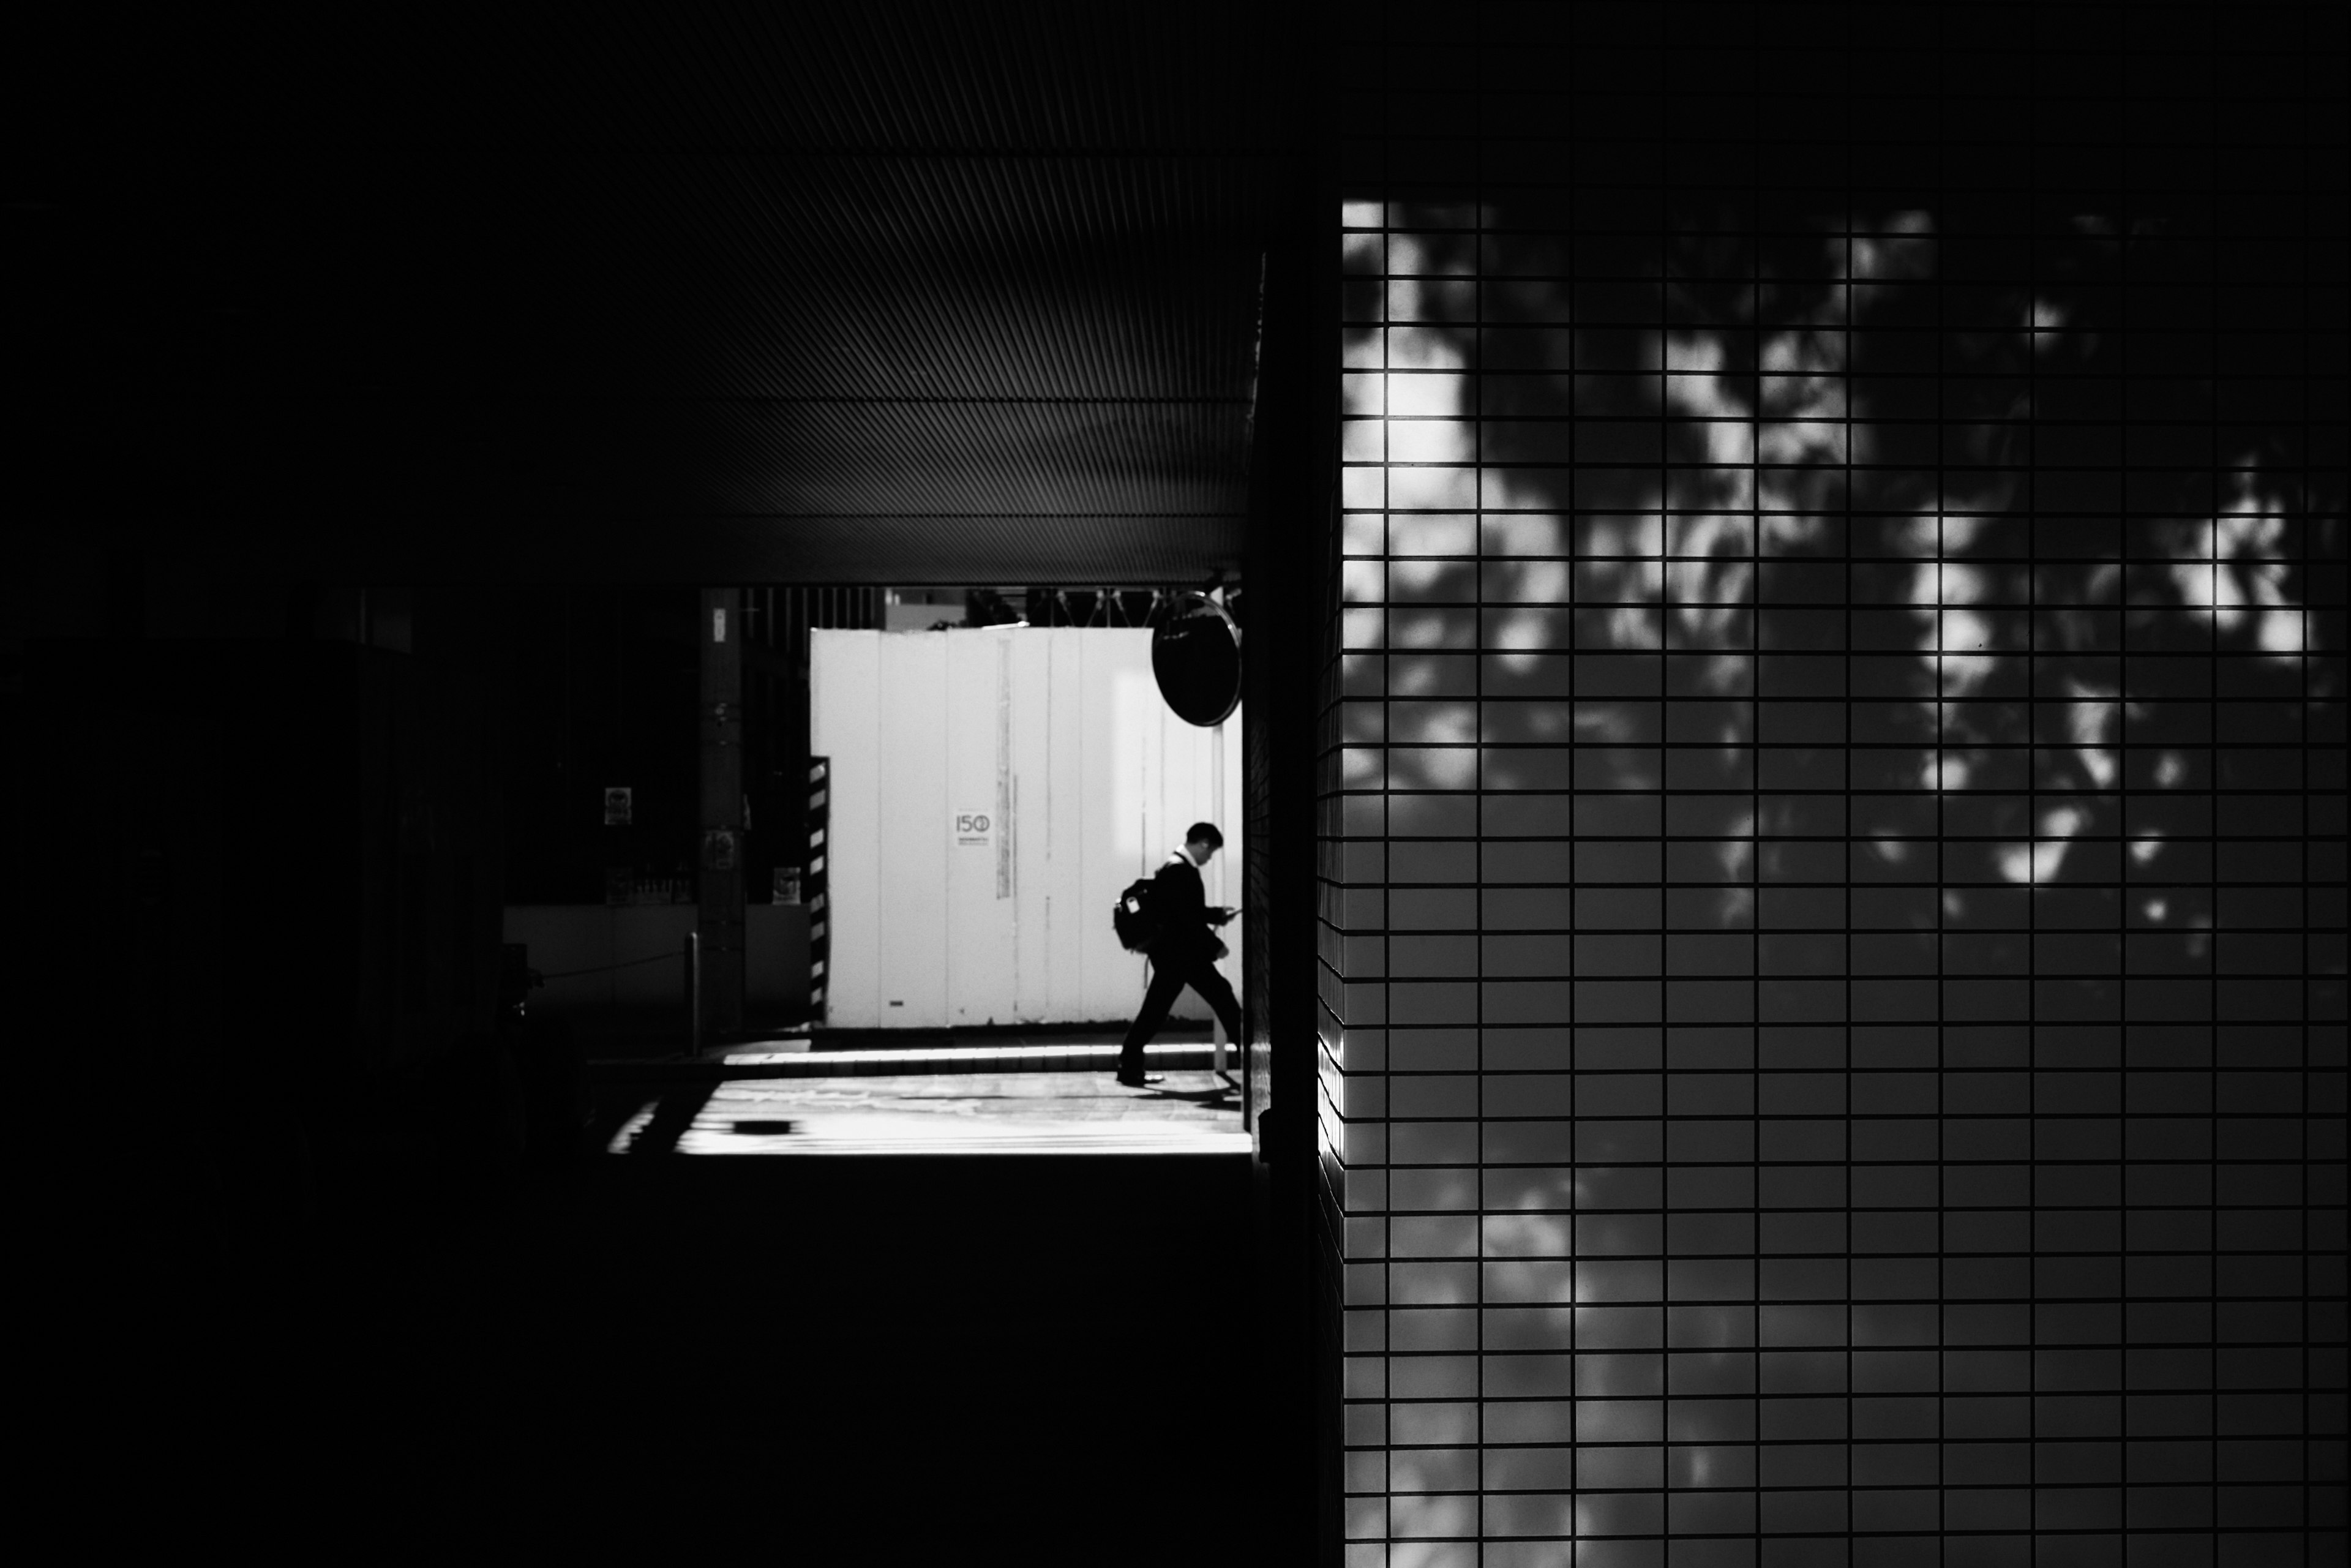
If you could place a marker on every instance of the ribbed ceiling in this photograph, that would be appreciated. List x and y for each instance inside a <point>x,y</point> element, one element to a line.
<point>1072,77</point>
<point>899,294</point>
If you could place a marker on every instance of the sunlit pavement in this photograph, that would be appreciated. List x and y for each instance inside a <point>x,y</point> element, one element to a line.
<point>1015,1096</point>
<point>1013,1112</point>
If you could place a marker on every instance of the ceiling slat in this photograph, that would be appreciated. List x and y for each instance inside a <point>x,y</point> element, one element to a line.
<point>954,269</point>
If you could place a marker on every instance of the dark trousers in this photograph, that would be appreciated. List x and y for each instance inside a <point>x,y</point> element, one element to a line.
<point>1166,981</point>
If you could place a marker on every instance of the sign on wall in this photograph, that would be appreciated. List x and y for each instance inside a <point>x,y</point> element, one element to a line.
<point>620,801</point>
<point>718,846</point>
<point>972,829</point>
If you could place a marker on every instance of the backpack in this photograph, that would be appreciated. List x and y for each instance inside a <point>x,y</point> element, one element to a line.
<point>1130,916</point>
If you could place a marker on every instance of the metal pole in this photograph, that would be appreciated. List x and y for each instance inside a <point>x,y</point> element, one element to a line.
<point>1217,797</point>
<point>719,891</point>
<point>693,992</point>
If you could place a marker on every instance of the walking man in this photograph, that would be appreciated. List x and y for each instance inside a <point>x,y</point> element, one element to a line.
<point>1183,950</point>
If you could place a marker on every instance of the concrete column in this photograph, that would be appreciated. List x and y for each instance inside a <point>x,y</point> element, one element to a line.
<point>720,885</point>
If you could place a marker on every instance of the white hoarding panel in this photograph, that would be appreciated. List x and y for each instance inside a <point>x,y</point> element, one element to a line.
<point>993,791</point>
<point>1028,722</point>
<point>979,916</point>
<point>914,850</point>
<point>1062,773</point>
<point>844,724</point>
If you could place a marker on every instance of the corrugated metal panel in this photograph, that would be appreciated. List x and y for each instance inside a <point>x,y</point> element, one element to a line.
<point>804,276</point>
<point>904,76</point>
<point>978,459</point>
<point>601,460</point>
<point>953,271</point>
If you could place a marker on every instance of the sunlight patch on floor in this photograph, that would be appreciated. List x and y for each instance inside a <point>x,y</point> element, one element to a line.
<point>1073,1054</point>
<point>1009,1112</point>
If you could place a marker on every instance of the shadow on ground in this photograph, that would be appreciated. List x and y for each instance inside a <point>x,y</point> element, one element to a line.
<point>886,1360</point>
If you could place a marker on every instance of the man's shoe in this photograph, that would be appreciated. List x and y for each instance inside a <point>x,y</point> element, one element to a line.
<point>1141,1080</point>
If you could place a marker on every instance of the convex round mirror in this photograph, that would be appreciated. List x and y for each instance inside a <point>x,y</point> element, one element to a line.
<point>1195,654</point>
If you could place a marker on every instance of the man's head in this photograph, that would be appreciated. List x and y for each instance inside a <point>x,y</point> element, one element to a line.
<point>1201,841</point>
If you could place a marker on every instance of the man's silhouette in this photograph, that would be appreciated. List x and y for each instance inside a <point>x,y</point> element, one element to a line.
<point>1183,950</point>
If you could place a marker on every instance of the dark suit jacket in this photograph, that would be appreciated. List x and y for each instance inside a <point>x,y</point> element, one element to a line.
<point>1179,906</point>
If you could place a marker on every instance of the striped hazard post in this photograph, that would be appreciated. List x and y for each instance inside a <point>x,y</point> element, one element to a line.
<point>815,894</point>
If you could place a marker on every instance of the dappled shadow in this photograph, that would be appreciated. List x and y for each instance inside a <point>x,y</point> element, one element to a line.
<point>1799,702</point>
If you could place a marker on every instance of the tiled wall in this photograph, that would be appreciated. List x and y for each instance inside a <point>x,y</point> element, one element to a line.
<point>1832,925</point>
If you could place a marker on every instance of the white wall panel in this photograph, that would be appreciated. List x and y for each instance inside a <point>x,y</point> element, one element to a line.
<point>1109,821</point>
<point>1057,738</point>
<point>913,828</point>
<point>845,725</point>
<point>1071,904</point>
<point>1028,660</point>
<point>980,917</point>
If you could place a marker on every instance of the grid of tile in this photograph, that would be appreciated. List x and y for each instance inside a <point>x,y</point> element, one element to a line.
<point>1833,926</point>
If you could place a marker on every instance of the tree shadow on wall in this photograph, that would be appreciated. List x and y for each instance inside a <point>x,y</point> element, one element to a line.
<point>1952,646</point>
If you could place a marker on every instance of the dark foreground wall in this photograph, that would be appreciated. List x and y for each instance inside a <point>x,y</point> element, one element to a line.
<point>1833,877</point>
<point>273,867</point>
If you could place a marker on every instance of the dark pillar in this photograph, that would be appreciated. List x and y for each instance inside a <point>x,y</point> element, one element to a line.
<point>720,727</point>
<point>1289,665</point>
